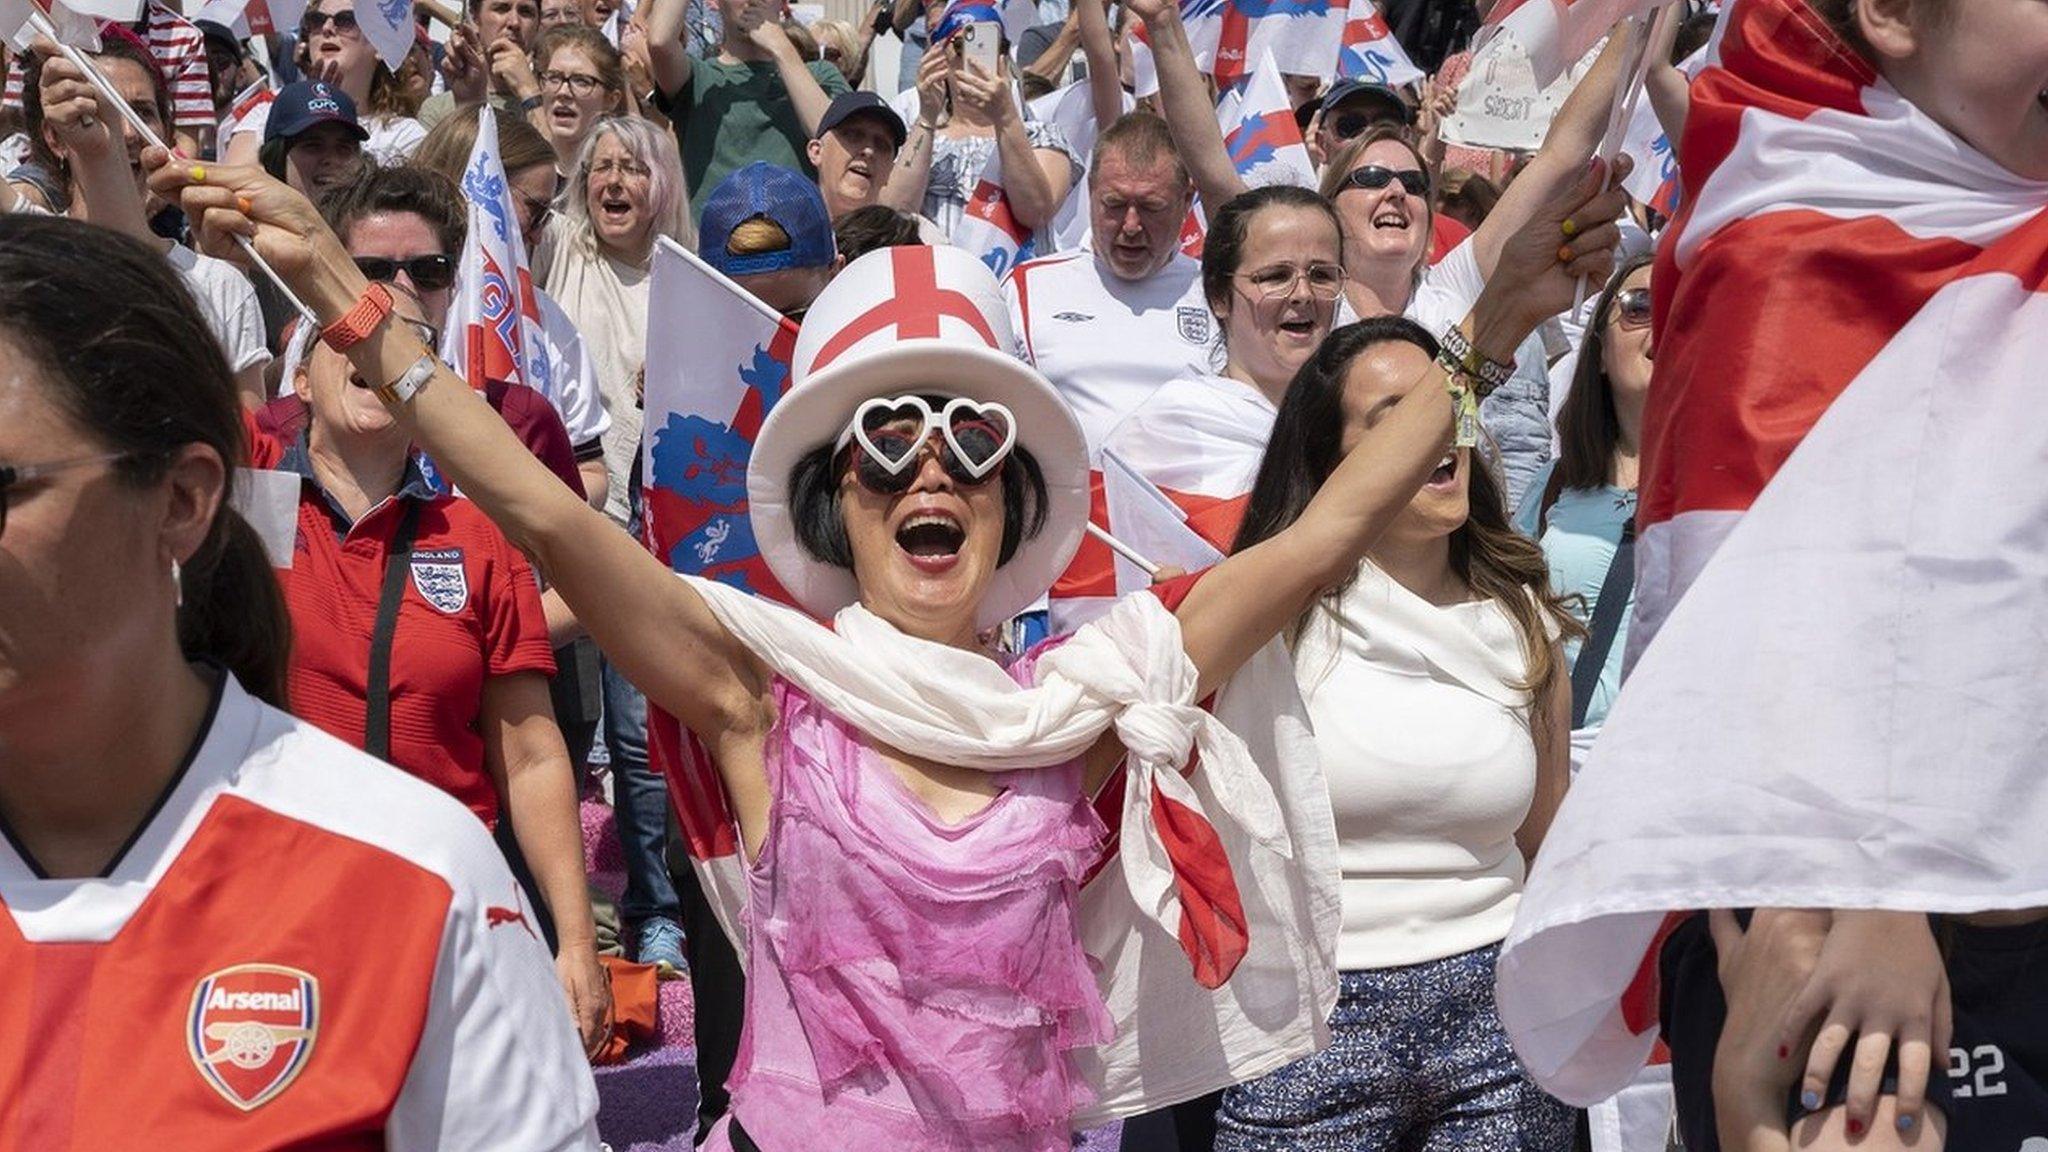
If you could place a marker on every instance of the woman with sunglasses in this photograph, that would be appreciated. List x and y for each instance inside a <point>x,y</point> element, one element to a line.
<point>1586,507</point>
<point>176,851</point>
<point>333,50</point>
<point>908,819</point>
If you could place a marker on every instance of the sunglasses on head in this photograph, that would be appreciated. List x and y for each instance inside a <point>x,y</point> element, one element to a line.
<point>891,433</point>
<point>428,273</point>
<point>344,22</point>
<point>1632,308</point>
<point>1372,178</point>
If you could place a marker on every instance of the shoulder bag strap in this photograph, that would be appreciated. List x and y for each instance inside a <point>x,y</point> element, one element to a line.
<point>1614,597</point>
<point>377,715</point>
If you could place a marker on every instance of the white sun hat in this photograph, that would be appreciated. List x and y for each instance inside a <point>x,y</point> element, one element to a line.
<point>911,320</point>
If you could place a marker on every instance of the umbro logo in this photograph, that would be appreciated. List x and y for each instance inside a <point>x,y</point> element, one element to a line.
<point>1073,317</point>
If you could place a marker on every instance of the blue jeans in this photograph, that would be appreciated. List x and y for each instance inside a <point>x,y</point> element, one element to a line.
<point>639,804</point>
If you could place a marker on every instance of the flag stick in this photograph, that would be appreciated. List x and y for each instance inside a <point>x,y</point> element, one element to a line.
<point>1635,68</point>
<point>84,63</point>
<point>1122,549</point>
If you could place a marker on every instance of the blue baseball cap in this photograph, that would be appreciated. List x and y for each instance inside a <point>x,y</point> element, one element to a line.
<point>301,107</point>
<point>765,191</point>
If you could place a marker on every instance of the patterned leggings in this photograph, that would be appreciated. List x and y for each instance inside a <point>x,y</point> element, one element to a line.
<point>1417,1063</point>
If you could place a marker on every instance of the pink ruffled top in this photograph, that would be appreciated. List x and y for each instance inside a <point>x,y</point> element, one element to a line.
<point>913,984</point>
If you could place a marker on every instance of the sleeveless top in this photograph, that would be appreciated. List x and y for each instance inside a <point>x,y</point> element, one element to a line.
<point>910,983</point>
<point>1426,744</point>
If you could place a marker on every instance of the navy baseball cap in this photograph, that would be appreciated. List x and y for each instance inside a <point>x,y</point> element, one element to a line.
<point>306,105</point>
<point>1345,90</point>
<point>216,32</point>
<point>764,191</point>
<point>850,104</point>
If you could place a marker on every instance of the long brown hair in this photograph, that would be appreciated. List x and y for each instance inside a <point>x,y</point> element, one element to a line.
<point>1588,428</point>
<point>1495,561</point>
<point>122,350</point>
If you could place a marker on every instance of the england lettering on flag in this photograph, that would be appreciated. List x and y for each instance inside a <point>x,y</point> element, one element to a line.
<point>1554,33</point>
<point>1369,51</point>
<point>717,360</point>
<point>989,228</point>
<point>1833,697</point>
<point>494,329</point>
<point>1261,135</point>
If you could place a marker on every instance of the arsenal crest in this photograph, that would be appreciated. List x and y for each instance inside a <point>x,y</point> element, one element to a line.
<point>251,1030</point>
<point>438,575</point>
<point>1194,324</point>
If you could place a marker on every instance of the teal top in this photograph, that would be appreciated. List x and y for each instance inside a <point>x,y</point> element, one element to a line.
<point>730,115</point>
<point>1579,537</point>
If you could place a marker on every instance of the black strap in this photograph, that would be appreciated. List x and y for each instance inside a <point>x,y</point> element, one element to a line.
<point>1614,597</point>
<point>377,715</point>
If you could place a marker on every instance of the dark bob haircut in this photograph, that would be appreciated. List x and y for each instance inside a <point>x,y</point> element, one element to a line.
<point>814,502</point>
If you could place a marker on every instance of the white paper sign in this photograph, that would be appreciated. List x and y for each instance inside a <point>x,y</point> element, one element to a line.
<point>269,501</point>
<point>1499,105</point>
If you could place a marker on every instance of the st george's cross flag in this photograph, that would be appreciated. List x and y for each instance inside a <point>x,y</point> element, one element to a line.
<point>493,331</point>
<point>1260,133</point>
<point>988,225</point>
<point>1554,33</point>
<point>1835,695</point>
<point>1301,36</point>
<point>718,360</point>
<point>1368,50</point>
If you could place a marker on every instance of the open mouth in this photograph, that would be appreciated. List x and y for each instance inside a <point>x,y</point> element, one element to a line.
<point>615,208</point>
<point>931,540</point>
<point>860,169</point>
<point>1391,219</point>
<point>1446,471</point>
<point>1304,327</point>
<point>563,112</point>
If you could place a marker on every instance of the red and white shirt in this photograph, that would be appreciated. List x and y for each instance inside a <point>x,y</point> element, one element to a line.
<point>180,50</point>
<point>469,610</point>
<point>301,948</point>
<point>1107,344</point>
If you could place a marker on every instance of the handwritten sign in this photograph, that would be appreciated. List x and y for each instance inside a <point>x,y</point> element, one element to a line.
<point>1500,106</point>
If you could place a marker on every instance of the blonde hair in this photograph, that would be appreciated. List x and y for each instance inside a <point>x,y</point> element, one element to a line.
<point>668,191</point>
<point>756,236</point>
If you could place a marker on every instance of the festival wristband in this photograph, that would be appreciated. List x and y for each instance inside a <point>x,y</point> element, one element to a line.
<point>1484,373</point>
<point>415,378</point>
<point>356,325</point>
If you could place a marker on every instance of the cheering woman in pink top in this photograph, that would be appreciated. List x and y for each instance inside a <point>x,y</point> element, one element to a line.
<point>930,964</point>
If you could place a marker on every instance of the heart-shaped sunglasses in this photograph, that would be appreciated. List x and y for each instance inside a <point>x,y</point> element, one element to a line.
<point>972,442</point>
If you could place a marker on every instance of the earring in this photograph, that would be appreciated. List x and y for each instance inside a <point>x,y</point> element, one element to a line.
<point>177,584</point>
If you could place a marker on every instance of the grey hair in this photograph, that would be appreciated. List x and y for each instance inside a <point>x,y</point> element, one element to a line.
<point>668,194</point>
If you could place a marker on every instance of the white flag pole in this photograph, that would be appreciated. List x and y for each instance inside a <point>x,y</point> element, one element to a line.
<point>1122,549</point>
<point>41,23</point>
<point>1635,69</point>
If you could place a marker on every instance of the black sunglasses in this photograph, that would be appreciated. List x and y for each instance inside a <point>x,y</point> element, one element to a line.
<point>344,22</point>
<point>428,273</point>
<point>1372,178</point>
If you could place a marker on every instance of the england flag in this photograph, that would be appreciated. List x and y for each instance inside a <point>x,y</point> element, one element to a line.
<point>1835,696</point>
<point>494,328</point>
<point>1260,133</point>
<point>1368,50</point>
<point>988,226</point>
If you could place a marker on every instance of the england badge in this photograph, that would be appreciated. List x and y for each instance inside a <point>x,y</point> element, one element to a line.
<point>440,578</point>
<point>251,1030</point>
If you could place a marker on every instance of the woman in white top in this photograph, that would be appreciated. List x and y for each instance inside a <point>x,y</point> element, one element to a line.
<point>595,260</point>
<point>332,49</point>
<point>1441,708</point>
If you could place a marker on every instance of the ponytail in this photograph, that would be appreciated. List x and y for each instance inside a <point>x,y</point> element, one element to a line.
<point>122,350</point>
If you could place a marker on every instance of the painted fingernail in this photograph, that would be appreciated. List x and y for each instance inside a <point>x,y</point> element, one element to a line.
<point>1784,1052</point>
<point>242,203</point>
<point>1906,1123</point>
<point>1564,255</point>
<point>1810,1100</point>
<point>1855,1128</point>
<point>198,174</point>
<point>1570,228</point>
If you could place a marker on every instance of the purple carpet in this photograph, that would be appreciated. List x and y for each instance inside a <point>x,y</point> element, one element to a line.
<point>649,1103</point>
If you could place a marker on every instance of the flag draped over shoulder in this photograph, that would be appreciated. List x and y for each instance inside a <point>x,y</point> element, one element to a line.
<point>1837,695</point>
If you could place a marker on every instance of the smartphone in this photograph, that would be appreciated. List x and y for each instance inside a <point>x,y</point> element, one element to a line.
<point>981,45</point>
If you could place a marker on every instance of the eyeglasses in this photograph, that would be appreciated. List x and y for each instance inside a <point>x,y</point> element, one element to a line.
<point>606,169</point>
<point>1632,308</point>
<point>578,83</point>
<point>1372,178</point>
<point>1277,281</point>
<point>893,434</point>
<point>537,210</point>
<point>428,273</point>
<point>13,474</point>
<point>344,23</point>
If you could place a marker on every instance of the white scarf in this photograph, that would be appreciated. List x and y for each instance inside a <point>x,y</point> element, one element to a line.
<point>1127,672</point>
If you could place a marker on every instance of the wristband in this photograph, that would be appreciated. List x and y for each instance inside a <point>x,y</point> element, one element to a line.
<point>355,325</point>
<point>1484,373</point>
<point>530,103</point>
<point>406,387</point>
<point>1464,405</point>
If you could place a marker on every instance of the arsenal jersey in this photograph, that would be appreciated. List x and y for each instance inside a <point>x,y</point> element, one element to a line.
<point>302,948</point>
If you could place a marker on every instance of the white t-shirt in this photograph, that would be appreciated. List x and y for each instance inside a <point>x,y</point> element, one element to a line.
<point>392,138</point>
<point>1106,343</point>
<point>1431,767</point>
<point>572,379</point>
<point>228,302</point>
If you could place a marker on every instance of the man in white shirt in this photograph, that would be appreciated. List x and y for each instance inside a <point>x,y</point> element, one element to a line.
<point>1109,324</point>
